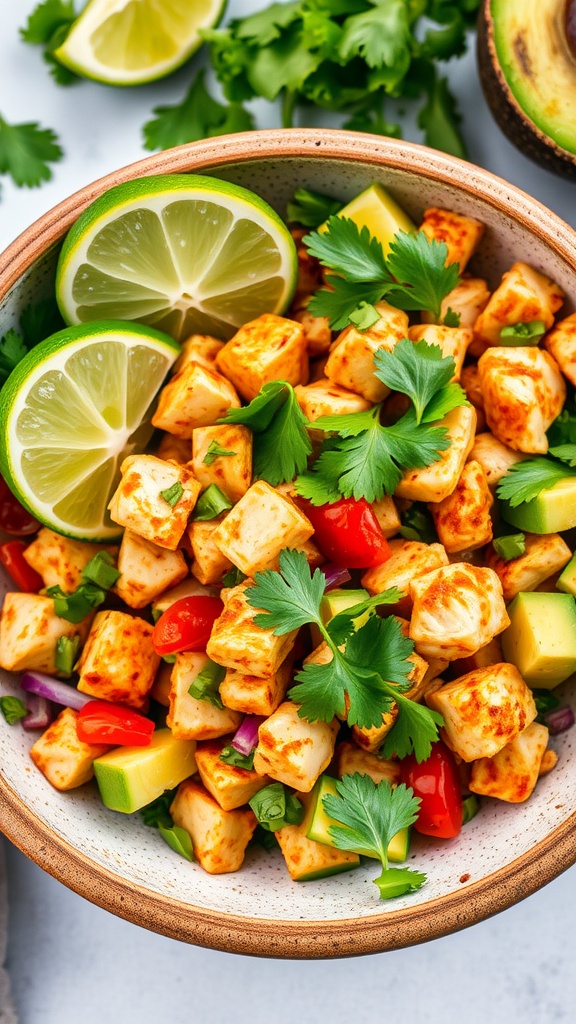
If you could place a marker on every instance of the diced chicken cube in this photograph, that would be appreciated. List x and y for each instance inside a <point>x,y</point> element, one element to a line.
<point>65,760</point>
<point>470,381</point>
<point>139,503</point>
<point>194,397</point>
<point>317,332</point>
<point>162,682</point>
<point>118,662</point>
<point>255,696</point>
<point>545,555</point>
<point>60,560</point>
<point>458,608</point>
<point>190,587</point>
<point>462,519</point>
<point>494,457</point>
<point>351,760</point>
<point>209,565</point>
<point>257,529</point>
<point>199,348</point>
<point>266,349</point>
<point>219,838</point>
<point>524,392</point>
<point>467,299</point>
<point>293,750</point>
<point>230,786</point>
<point>309,268</point>
<point>512,773</point>
<point>238,643</point>
<point>484,710</point>
<point>490,654</point>
<point>351,359</point>
<point>437,481</point>
<point>387,515</point>
<point>561,344</point>
<point>188,717</point>
<point>523,295</point>
<point>325,398</point>
<point>453,341</point>
<point>408,560</point>
<point>174,449</point>
<point>461,234</point>
<point>232,473</point>
<point>146,570</point>
<point>30,630</point>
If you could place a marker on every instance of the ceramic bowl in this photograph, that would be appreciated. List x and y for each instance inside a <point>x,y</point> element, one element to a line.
<point>507,851</point>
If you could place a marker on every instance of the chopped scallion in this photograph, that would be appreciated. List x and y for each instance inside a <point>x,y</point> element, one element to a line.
<point>210,504</point>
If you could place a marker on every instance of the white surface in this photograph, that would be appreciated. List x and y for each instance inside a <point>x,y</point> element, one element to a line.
<point>70,961</point>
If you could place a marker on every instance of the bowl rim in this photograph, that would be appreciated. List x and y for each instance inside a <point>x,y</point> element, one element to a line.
<point>295,939</point>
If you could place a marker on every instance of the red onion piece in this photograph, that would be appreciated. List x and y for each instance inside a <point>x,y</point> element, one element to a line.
<point>246,737</point>
<point>335,575</point>
<point>559,719</point>
<point>53,689</point>
<point>39,712</point>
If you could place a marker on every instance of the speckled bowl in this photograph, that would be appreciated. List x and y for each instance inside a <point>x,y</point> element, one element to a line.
<point>506,852</point>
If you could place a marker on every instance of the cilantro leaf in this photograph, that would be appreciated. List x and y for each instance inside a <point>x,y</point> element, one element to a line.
<point>265,26</point>
<point>215,451</point>
<point>311,208</point>
<point>206,685</point>
<point>381,35</point>
<point>45,19</point>
<point>440,120</point>
<point>415,730</point>
<point>565,452</point>
<point>40,320</point>
<point>524,480</point>
<point>12,350</point>
<point>158,811</point>
<point>423,280</point>
<point>229,755</point>
<point>281,441</point>
<point>563,429</point>
<point>13,709</point>
<point>25,152</point>
<point>178,839</point>
<point>322,691</point>
<point>292,597</point>
<point>342,625</point>
<point>198,116</point>
<point>418,370</point>
<point>451,319</point>
<point>340,300</point>
<point>370,815</point>
<point>349,250</point>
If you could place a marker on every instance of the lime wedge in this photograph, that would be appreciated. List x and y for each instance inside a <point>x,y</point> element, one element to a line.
<point>184,253</point>
<point>71,411</point>
<point>127,42</point>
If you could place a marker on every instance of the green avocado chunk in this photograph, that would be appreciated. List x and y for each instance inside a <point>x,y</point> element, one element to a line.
<point>541,638</point>
<point>316,822</point>
<point>336,601</point>
<point>552,511</point>
<point>567,581</point>
<point>131,777</point>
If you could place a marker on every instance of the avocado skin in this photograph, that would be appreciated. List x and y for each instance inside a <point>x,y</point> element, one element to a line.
<point>508,113</point>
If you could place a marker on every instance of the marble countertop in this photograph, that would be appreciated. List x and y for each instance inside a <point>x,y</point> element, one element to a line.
<point>72,961</point>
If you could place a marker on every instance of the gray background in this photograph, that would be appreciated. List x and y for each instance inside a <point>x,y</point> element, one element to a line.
<point>71,961</point>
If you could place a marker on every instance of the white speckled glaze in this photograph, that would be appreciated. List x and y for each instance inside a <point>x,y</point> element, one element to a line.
<point>507,851</point>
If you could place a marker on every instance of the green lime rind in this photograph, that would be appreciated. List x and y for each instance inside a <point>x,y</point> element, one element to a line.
<point>41,359</point>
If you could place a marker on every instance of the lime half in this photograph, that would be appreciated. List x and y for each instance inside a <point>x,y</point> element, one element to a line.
<point>184,253</point>
<point>71,411</point>
<point>127,42</point>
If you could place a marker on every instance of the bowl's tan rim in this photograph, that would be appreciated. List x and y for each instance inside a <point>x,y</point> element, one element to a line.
<point>235,933</point>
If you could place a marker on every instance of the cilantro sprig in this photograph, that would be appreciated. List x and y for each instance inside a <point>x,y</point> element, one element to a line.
<point>367,459</point>
<point>47,26</point>
<point>281,441</point>
<point>370,815</point>
<point>197,116</point>
<point>524,480</point>
<point>413,276</point>
<point>26,151</point>
<point>369,669</point>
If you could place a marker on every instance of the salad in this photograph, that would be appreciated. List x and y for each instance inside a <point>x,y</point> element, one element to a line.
<point>344,591</point>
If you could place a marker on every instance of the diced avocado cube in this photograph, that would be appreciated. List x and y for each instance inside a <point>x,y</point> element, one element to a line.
<point>375,209</point>
<point>552,511</point>
<point>336,601</point>
<point>131,777</point>
<point>567,580</point>
<point>541,638</point>
<point>316,822</point>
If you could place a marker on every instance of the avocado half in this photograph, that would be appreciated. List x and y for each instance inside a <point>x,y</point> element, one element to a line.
<point>527,61</point>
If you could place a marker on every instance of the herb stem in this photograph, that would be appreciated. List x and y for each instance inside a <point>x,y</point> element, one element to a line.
<point>288,106</point>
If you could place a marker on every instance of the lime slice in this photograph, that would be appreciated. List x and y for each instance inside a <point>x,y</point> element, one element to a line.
<point>71,411</point>
<point>127,42</point>
<point>184,253</point>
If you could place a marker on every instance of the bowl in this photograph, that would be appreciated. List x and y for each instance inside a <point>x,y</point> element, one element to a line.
<point>507,851</point>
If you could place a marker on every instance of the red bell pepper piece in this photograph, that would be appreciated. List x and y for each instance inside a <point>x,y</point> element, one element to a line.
<point>12,558</point>
<point>348,532</point>
<point>186,625</point>
<point>14,518</point>
<point>102,722</point>
<point>437,782</point>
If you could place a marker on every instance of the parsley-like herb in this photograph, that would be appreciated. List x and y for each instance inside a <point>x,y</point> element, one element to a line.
<point>417,524</point>
<point>523,333</point>
<point>311,208</point>
<point>233,577</point>
<point>370,815</point>
<point>198,116</point>
<point>451,318</point>
<point>545,701</point>
<point>210,504</point>
<point>26,150</point>
<point>281,441</point>
<point>206,685</point>
<point>526,479</point>
<point>173,494</point>
<point>231,756</point>
<point>215,451</point>
<point>275,807</point>
<point>371,672</point>
<point>13,709</point>
<point>563,429</point>
<point>511,546</point>
<point>47,26</point>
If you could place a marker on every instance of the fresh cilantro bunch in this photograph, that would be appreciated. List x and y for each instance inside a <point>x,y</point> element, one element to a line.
<point>370,815</point>
<point>368,674</point>
<point>198,116</point>
<point>366,459</point>
<point>413,276</point>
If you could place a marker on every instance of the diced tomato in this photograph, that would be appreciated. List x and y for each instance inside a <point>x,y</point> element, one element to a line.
<point>186,625</point>
<point>348,532</point>
<point>12,558</point>
<point>102,722</point>
<point>437,782</point>
<point>14,518</point>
